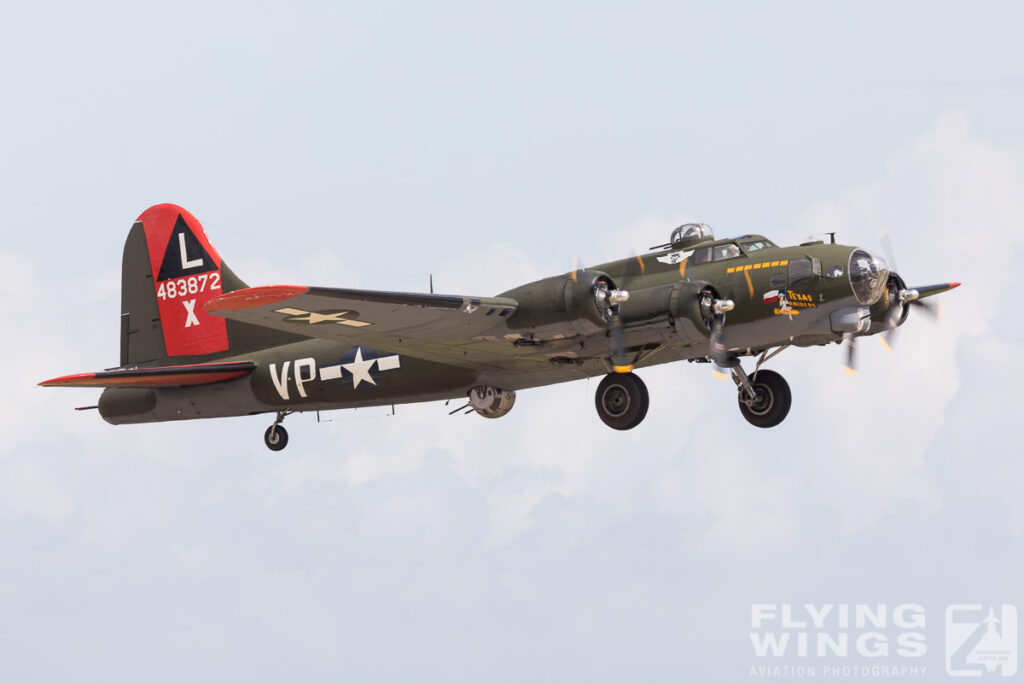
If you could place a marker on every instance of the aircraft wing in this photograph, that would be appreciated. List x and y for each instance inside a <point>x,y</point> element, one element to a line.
<point>172,376</point>
<point>431,326</point>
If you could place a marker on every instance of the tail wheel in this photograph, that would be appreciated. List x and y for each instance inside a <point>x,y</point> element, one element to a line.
<point>771,402</point>
<point>276,437</point>
<point>622,400</point>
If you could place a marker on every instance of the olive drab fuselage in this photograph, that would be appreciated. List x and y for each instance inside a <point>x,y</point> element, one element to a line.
<point>548,342</point>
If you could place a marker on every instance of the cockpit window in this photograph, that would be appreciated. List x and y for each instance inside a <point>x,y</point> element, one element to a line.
<point>800,270</point>
<point>701,256</point>
<point>726,251</point>
<point>754,245</point>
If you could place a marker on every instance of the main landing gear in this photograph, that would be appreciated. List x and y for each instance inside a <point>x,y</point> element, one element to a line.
<point>622,400</point>
<point>276,436</point>
<point>764,396</point>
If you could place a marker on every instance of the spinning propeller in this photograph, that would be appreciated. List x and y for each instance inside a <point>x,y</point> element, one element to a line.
<point>607,299</point>
<point>714,310</point>
<point>898,299</point>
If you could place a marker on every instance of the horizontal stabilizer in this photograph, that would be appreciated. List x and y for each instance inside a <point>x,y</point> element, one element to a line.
<point>173,376</point>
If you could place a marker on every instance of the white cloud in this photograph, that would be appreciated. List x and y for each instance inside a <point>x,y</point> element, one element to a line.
<point>639,235</point>
<point>295,267</point>
<point>493,268</point>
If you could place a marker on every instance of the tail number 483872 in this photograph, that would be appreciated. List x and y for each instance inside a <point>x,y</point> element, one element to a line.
<point>193,284</point>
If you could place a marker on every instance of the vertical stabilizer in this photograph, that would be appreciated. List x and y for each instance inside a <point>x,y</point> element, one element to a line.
<point>168,272</point>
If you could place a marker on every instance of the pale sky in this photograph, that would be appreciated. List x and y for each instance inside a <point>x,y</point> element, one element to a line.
<point>371,144</point>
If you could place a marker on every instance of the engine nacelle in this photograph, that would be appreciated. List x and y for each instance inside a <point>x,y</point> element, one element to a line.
<point>684,303</point>
<point>563,306</point>
<point>491,402</point>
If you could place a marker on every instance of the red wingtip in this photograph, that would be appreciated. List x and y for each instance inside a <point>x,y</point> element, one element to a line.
<point>68,380</point>
<point>253,297</point>
<point>954,285</point>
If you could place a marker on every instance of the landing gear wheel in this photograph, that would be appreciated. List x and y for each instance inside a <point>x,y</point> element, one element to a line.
<point>622,400</point>
<point>276,437</point>
<point>771,402</point>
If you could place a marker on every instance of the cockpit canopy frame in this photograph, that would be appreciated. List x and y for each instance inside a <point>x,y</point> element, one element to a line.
<point>687,235</point>
<point>692,233</point>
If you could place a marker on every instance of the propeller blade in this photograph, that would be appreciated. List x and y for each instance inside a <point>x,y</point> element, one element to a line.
<point>619,361</point>
<point>932,310</point>
<point>718,352</point>
<point>714,310</point>
<point>890,253</point>
<point>892,321</point>
<point>915,297</point>
<point>888,340</point>
<point>850,367</point>
<point>932,290</point>
<point>639,260</point>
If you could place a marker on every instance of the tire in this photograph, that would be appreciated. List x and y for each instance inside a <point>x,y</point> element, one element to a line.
<point>622,400</point>
<point>772,402</point>
<point>276,438</point>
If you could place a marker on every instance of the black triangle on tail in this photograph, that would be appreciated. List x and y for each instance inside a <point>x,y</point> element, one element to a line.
<point>184,255</point>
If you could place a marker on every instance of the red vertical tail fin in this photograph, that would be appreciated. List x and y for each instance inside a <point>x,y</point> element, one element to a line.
<point>169,271</point>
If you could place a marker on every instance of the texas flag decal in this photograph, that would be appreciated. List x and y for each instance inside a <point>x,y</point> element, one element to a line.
<point>771,297</point>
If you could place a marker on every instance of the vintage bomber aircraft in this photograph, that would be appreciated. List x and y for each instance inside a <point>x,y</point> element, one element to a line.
<point>196,341</point>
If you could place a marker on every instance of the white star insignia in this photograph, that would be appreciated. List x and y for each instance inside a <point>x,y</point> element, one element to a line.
<point>299,316</point>
<point>360,369</point>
